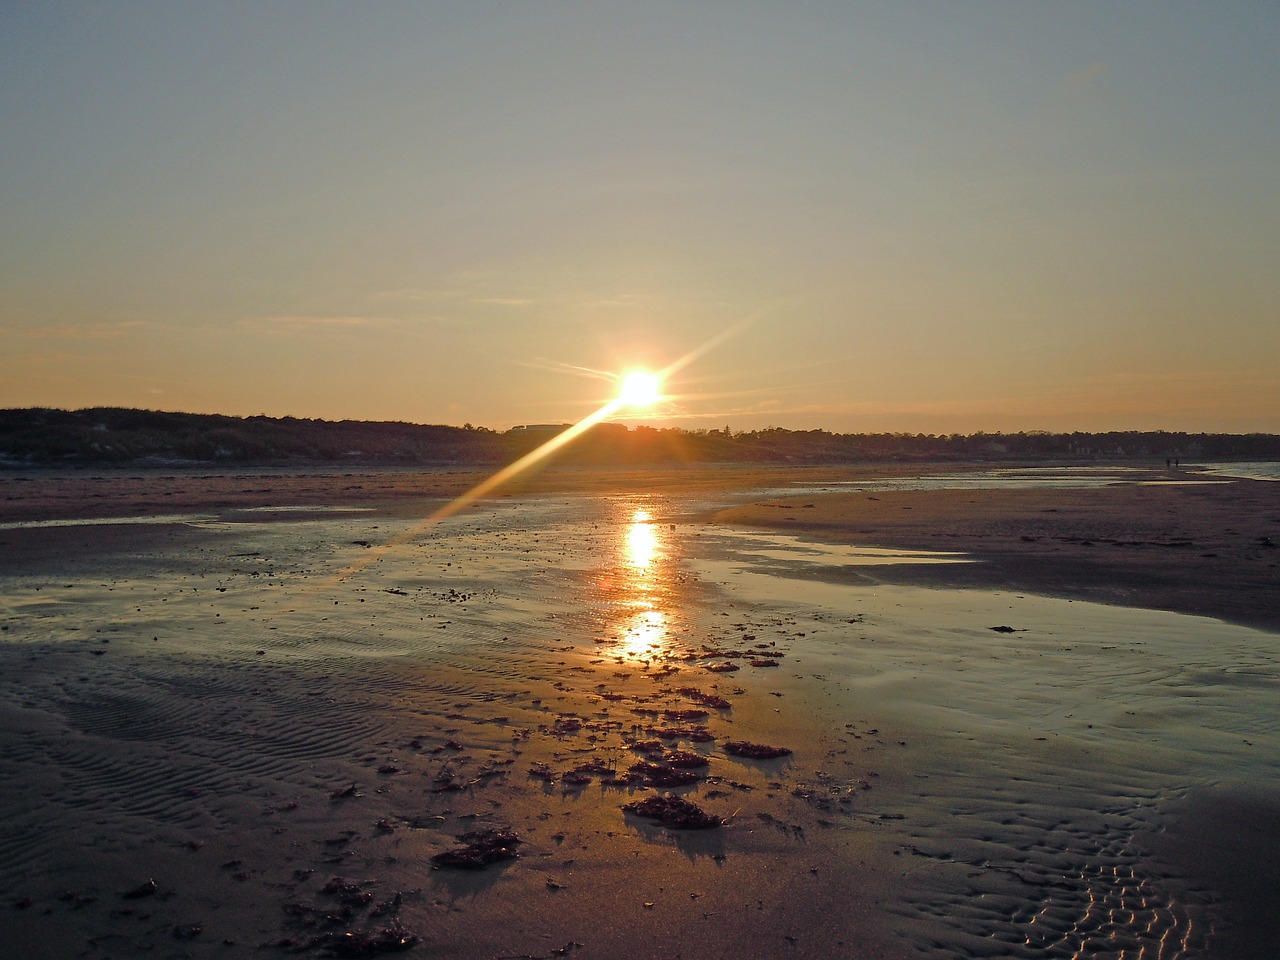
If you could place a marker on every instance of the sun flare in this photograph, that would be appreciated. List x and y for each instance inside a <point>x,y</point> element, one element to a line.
<point>640,388</point>
<point>637,389</point>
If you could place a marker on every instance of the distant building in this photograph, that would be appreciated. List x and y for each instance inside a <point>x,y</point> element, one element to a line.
<point>540,429</point>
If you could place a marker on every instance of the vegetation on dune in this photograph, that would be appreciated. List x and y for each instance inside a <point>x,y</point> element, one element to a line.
<point>106,435</point>
<point>110,435</point>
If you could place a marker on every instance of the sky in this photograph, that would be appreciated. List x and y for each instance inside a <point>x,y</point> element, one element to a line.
<point>930,217</point>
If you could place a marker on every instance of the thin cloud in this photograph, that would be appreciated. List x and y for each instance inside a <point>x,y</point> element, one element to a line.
<point>476,290</point>
<point>105,330</point>
<point>626,300</point>
<point>299,321</point>
<point>415,295</point>
<point>557,366</point>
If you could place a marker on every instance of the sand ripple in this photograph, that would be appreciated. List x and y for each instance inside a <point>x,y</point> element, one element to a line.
<point>1073,889</point>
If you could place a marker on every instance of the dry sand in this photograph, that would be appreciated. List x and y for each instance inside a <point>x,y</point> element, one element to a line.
<point>201,703</point>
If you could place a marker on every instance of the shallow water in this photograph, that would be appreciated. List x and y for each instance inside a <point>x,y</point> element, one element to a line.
<point>1003,478</point>
<point>1251,470</point>
<point>1016,772</point>
<point>194,519</point>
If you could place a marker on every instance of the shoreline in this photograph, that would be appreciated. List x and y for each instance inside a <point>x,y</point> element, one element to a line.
<point>120,491</point>
<point>1151,538</point>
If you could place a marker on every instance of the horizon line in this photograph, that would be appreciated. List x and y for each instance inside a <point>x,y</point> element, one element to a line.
<point>631,427</point>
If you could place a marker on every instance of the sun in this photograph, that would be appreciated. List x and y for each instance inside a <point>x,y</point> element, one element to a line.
<point>640,388</point>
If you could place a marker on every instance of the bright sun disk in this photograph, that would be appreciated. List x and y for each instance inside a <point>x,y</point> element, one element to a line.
<point>640,389</point>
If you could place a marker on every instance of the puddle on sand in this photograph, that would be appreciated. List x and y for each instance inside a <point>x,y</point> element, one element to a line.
<point>187,518</point>
<point>753,546</point>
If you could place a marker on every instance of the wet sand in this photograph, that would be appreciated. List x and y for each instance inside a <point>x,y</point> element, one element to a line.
<point>1206,547</point>
<point>202,703</point>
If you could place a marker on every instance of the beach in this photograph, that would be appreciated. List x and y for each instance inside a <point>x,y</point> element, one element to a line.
<point>1187,543</point>
<point>271,712</point>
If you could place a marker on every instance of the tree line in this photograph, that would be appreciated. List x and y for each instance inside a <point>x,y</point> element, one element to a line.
<point>41,437</point>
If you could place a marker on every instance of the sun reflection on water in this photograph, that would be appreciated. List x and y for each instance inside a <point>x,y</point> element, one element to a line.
<point>641,543</point>
<point>644,631</point>
<point>645,635</point>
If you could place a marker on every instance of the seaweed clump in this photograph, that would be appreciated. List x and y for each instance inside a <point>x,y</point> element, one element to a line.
<point>706,699</point>
<point>479,850</point>
<point>755,751</point>
<point>392,939</point>
<point>660,775</point>
<point>674,812</point>
<point>685,760</point>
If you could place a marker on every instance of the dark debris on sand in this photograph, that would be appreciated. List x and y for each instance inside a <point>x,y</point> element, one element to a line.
<point>682,715</point>
<point>352,901</point>
<point>345,793</point>
<point>394,938</point>
<point>674,812</point>
<point>347,891</point>
<point>685,760</point>
<point>563,951</point>
<point>480,849</point>
<point>147,889</point>
<point>706,699</point>
<point>755,751</point>
<point>698,734</point>
<point>661,775</point>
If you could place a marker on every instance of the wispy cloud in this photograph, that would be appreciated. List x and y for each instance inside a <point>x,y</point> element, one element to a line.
<point>627,301</point>
<point>105,330</point>
<point>556,366</point>
<point>301,321</point>
<point>464,294</point>
<point>416,295</point>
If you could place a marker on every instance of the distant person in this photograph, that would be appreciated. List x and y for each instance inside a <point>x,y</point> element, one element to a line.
<point>1167,463</point>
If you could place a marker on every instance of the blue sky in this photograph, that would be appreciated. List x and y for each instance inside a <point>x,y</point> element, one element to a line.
<point>930,217</point>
